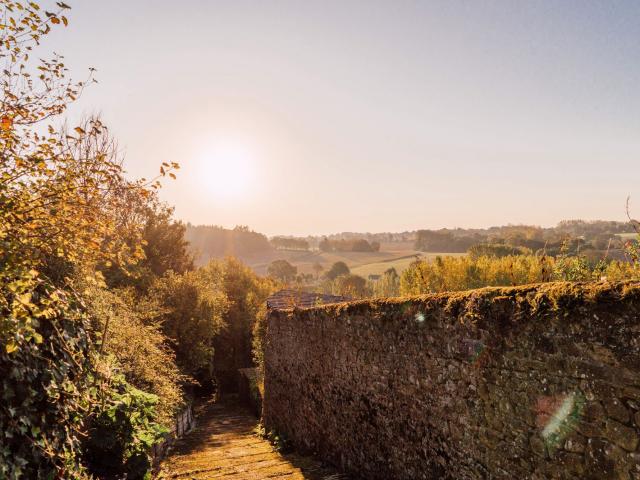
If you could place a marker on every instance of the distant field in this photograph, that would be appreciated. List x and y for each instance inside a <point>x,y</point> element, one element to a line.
<point>305,260</point>
<point>360,263</point>
<point>397,246</point>
<point>627,236</point>
<point>398,255</point>
<point>400,264</point>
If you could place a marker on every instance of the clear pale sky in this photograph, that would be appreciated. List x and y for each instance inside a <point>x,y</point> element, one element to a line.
<point>299,117</point>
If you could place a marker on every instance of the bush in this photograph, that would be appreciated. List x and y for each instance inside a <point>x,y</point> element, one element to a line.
<point>497,250</point>
<point>193,307</point>
<point>135,339</point>
<point>44,379</point>
<point>246,293</point>
<point>122,432</point>
<point>350,285</point>
<point>388,285</point>
<point>464,273</point>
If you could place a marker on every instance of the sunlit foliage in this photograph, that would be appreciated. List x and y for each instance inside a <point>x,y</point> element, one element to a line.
<point>464,273</point>
<point>130,333</point>
<point>194,304</point>
<point>388,285</point>
<point>282,270</point>
<point>45,384</point>
<point>246,293</point>
<point>60,187</point>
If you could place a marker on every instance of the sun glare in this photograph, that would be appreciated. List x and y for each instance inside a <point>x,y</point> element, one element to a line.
<point>226,169</point>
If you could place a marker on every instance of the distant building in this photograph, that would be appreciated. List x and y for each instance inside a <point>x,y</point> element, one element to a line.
<point>290,298</point>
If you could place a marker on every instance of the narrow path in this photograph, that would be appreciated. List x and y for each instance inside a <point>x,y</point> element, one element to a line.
<point>223,445</point>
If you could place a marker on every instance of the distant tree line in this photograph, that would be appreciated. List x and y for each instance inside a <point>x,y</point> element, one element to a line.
<point>351,245</point>
<point>290,243</point>
<point>575,235</point>
<point>211,241</point>
<point>443,241</point>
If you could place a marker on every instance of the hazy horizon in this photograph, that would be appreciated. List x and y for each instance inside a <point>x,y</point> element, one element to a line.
<point>309,118</point>
<point>374,232</point>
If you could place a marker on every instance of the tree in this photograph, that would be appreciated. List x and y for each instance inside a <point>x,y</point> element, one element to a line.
<point>164,247</point>
<point>604,241</point>
<point>247,294</point>
<point>59,191</point>
<point>337,269</point>
<point>50,212</point>
<point>325,245</point>
<point>496,250</point>
<point>282,270</point>
<point>287,243</point>
<point>317,267</point>
<point>214,242</point>
<point>135,339</point>
<point>388,285</point>
<point>194,308</point>
<point>350,286</point>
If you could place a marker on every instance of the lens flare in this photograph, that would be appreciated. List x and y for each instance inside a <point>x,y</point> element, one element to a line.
<point>557,416</point>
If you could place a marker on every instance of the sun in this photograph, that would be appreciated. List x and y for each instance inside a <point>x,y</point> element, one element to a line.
<point>226,169</point>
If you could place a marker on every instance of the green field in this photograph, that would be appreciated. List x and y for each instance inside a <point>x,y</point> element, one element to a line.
<point>305,260</point>
<point>360,263</point>
<point>400,264</point>
<point>627,236</point>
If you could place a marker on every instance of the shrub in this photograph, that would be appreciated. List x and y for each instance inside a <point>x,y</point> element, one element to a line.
<point>246,293</point>
<point>193,307</point>
<point>463,273</point>
<point>350,286</point>
<point>388,285</point>
<point>128,330</point>
<point>44,378</point>
<point>121,433</point>
<point>497,250</point>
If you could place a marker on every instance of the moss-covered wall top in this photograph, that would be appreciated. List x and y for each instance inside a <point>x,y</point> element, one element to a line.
<point>541,381</point>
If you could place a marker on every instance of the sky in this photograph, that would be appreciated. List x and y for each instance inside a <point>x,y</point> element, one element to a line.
<point>314,117</point>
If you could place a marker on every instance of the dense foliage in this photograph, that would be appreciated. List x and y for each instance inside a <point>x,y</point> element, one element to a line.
<point>133,342</point>
<point>348,245</point>
<point>194,308</point>
<point>464,273</point>
<point>67,214</point>
<point>289,243</point>
<point>45,382</point>
<point>121,432</point>
<point>496,250</point>
<point>246,293</point>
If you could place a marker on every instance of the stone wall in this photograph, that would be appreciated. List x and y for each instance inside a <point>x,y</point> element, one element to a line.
<point>530,382</point>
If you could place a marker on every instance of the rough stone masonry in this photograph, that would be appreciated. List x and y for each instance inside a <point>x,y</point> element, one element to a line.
<point>533,382</point>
